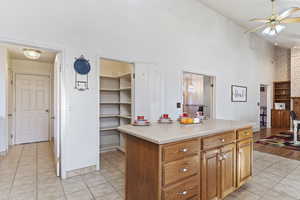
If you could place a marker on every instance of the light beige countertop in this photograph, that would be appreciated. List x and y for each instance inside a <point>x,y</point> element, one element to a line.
<point>166,133</point>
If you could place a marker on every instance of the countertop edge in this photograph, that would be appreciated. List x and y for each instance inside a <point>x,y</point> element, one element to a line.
<point>184,137</point>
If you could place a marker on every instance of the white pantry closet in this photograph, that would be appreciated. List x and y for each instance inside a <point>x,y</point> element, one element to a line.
<point>116,102</point>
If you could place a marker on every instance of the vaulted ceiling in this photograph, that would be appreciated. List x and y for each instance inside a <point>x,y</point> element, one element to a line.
<point>241,11</point>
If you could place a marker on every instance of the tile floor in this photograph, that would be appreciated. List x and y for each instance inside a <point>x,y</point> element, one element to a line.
<point>28,173</point>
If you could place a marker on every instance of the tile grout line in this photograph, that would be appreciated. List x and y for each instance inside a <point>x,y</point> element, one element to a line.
<point>93,196</point>
<point>18,163</point>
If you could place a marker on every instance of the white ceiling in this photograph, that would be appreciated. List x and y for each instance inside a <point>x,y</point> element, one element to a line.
<point>241,11</point>
<point>16,52</point>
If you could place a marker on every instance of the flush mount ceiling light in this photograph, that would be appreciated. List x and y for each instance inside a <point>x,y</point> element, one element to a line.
<point>274,24</point>
<point>32,53</point>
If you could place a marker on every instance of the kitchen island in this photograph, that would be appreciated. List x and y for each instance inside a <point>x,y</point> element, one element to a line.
<point>204,161</point>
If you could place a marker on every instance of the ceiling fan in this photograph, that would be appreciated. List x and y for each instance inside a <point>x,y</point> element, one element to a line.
<point>274,24</point>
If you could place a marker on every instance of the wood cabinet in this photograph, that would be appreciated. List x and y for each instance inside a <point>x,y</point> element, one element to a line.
<point>280,119</point>
<point>296,106</point>
<point>228,169</point>
<point>211,174</point>
<point>282,93</point>
<point>205,168</point>
<point>244,161</point>
<point>219,171</point>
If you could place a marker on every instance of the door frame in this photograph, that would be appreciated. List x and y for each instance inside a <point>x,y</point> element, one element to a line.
<point>269,104</point>
<point>99,57</point>
<point>15,101</point>
<point>213,98</point>
<point>61,85</point>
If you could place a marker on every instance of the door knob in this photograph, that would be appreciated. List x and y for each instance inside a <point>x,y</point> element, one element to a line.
<point>47,110</point>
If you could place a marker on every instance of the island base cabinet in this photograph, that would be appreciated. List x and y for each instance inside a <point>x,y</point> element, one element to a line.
<point>210,174</point>
<point>204,168</point>
<point>228,169</point>
<point>244,161</point>
<point>218,172</point>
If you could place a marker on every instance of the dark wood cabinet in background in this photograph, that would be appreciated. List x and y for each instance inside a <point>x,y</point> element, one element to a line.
<point>280,119</point>
<point>282,94</point>
<point>296,105</point>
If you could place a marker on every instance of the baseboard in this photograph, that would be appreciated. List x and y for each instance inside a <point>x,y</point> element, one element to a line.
<point>80,171</point>
<point>3,153</point>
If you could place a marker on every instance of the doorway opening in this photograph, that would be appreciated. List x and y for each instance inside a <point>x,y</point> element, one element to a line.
<point>263,107</point>
<point>33,91</point>
<point>198,95</point>
<point>116,102</point>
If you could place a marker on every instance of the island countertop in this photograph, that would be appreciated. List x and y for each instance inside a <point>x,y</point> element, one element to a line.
<point>166,133</point>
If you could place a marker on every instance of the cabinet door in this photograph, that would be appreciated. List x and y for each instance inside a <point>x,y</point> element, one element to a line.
<point>211,174</point>
<point>244,161</point>
<point>276,119</point>
<point>228,169</point>
<point>285,119</point>
<point>296,106</point>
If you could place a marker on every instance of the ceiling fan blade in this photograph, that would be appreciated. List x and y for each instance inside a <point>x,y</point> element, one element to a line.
<point>290,20</point>
<point>260,20</point>
<point>288,12</point>
<point>257,28</point>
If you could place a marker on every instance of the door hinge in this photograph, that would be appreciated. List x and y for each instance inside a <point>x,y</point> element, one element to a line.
<point>133,76</point>
<point>11,82</point>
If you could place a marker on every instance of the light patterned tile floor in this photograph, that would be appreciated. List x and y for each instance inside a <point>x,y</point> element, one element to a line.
<point>28,173</point>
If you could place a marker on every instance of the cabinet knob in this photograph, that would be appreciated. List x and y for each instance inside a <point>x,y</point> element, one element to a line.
<point>184,170</point>
<point>222,140</point>
<point>246,133</point>
<point>184,150</point>
<point>183,193</point>
<point>225,157</point>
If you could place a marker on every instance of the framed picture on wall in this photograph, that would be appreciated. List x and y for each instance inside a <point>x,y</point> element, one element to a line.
<point>238,93</point>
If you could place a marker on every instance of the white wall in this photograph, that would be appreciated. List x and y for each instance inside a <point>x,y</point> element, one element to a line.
<point>3,100</point>
<point>173,35</point>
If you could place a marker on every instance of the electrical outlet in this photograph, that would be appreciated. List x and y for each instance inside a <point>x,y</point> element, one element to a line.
<point>178,105</point>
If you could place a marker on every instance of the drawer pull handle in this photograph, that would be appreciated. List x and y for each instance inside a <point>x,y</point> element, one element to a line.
<point>184,170</point>
<point>222,140</point>
<point>221,158</point>
<point>184,150</point>
<point>183,193</point>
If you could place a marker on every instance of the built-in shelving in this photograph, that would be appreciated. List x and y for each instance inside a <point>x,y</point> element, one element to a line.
<point>120,116</point>
<point>108,129</point>
<point>116,102</point>
<point>282,93</point>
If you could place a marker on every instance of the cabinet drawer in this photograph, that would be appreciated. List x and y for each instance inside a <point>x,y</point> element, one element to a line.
<point>178,170</point>
<point>218,140</point>
<point>244,133</point>
<point>186,190</point>
<point>180,150</point>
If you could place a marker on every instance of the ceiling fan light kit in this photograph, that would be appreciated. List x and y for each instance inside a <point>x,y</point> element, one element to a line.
<point>275,24</point>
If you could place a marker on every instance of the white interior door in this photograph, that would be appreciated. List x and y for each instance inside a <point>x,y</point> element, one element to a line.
<point>32,108</point>
<point>56,112</point>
